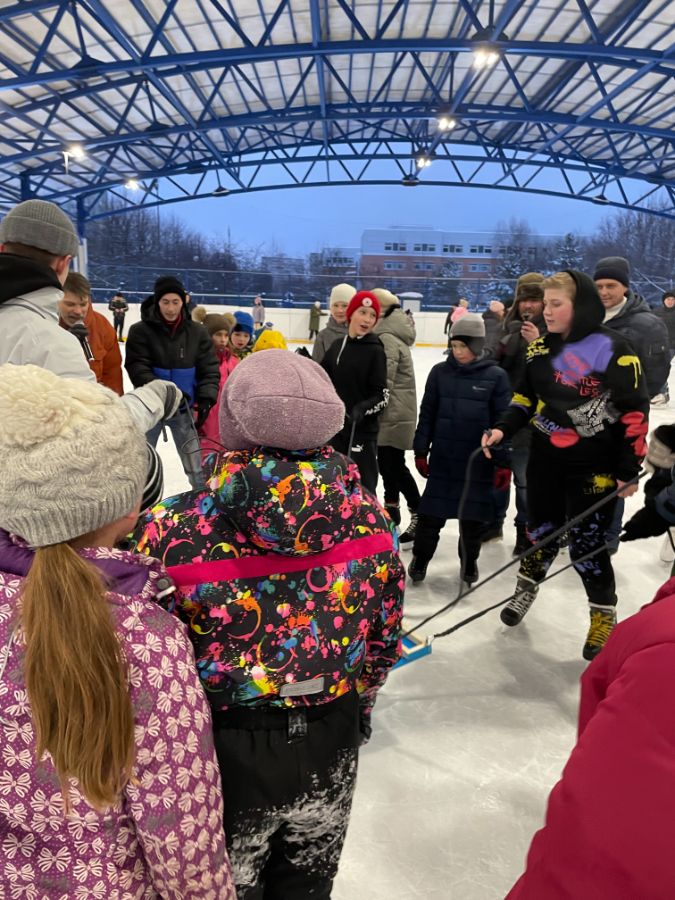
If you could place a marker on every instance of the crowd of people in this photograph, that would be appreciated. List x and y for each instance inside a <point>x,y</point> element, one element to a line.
<point>186,681</point>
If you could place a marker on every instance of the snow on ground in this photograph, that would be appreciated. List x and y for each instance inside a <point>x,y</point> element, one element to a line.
<point>469,741</point>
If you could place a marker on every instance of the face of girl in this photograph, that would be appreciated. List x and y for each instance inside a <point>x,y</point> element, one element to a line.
<point>558,311</point>
<point>239,339</point>
<point>220,340</point>
<point>362,321</point>
<point>339,312</point>
<point>461,352</point>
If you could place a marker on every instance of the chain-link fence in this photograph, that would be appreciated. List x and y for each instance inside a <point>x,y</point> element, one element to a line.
<point>236,288</point>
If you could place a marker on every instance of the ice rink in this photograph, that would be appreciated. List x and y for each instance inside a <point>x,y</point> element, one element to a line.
<point>468,741</point>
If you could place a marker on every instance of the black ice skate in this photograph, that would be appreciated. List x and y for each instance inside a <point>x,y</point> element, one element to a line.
<point>407,539</point>
<point>417,570</point>
<point>525,594</point>
<point>469,574</point>
<point>603,620</point>
<point>394,512</point>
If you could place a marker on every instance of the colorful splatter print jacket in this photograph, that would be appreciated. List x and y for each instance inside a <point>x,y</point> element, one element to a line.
<point>164,838</point>
<point>288,576</point>
<point>585,396</point>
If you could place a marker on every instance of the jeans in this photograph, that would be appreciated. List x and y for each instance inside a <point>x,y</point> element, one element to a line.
<point>187,443</point>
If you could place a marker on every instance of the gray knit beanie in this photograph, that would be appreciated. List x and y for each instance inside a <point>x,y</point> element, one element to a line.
<point>38,223</point>
<point>73,459</point>
<point>470,329</point>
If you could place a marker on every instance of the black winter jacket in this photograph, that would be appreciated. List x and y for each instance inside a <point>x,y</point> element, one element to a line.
<point>358,369</point>
<point>585,396</point>
<point>459,403</point>
<point>185,356</point>
<point>667,316</point>
<point>648,336</point>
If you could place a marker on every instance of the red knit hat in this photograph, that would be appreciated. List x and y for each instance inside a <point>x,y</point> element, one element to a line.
<point>366,299</point>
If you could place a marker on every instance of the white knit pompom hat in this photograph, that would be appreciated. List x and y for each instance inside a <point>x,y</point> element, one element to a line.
<point>72,458</point>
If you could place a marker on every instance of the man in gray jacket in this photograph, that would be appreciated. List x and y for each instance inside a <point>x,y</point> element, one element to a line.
<point>37,243</point>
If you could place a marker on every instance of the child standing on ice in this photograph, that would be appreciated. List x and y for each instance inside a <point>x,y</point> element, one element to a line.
<point>218,327</point>
<point>291,587</point>
<point>463,396</point>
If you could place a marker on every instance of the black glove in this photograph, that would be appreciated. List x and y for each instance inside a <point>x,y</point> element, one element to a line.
<point>645,523</point>
<point>365,728</point>
<point>302,351</point>
<point>80,330</point>
<point>660,480</point>
<point>358,414</point>
<point>203,410</point>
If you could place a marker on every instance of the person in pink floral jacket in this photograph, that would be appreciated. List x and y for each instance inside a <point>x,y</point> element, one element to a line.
<point>109,784</point>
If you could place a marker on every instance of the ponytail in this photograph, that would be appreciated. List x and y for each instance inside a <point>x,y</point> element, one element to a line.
<point>75,675</point>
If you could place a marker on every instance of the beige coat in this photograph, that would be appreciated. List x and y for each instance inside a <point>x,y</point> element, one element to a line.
<point>397,422</point>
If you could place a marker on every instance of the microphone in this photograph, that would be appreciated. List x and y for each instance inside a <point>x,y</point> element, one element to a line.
<point>81,332</point>
<point>526,316</point>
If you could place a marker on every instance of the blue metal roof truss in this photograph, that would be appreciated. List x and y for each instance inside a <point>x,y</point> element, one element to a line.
<point>192,97</point>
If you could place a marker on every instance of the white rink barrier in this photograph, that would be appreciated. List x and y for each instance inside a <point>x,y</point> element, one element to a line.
<point>294,323</point>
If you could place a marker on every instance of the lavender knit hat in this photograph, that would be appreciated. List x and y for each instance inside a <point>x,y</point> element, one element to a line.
<point>279,399</point>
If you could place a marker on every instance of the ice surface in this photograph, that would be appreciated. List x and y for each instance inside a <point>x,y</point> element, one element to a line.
<point>468,741</point>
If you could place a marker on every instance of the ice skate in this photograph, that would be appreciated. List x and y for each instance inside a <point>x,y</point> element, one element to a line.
<point>603,620</point>
<point>522,544</point>
<point>516,609</point>
<point>417,570</point>
<point>407,539</point>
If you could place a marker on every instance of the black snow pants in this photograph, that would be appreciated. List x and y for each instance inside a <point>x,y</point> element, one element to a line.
<point>555,494</point>
<point>364,454</point>
<point>288,780</point>
<point>429,531</point>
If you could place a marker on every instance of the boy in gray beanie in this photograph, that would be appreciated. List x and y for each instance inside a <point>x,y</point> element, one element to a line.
<point>462,397</point>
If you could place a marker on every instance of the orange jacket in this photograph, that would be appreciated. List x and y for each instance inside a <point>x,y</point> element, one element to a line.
<point>107,362</point>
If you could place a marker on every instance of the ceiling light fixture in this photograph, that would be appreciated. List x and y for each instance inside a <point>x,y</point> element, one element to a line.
<point>485,52</point>
<point>132,185</point>
<point>446,122</point>
<point>76,151</point>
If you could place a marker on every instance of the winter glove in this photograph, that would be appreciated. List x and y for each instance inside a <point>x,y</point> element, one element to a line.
<point>645,523</point>
<point>501,478</point>
<point>80,330</point>
<point>302,351</point>
<point>660,480</point>
<point>203,410</point>
<point>365,726</point>
<point>153,402</point>
<point>422,465</point>
<point>661,447</point>
<point>357,414</point>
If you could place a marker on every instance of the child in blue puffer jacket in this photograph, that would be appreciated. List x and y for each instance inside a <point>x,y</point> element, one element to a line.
<point>290,582</point>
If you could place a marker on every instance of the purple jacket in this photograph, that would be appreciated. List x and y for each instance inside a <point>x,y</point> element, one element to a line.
<point>164,838</point>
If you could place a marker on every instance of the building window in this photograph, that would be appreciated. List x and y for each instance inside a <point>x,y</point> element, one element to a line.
<point>479,267</point>
<point>393,266</point>
<point>481,248</point>
<point>387,246</point>
<point>391,246</point>
<point>424,248</point>
<point>453,248</point>
<point>424,267</point>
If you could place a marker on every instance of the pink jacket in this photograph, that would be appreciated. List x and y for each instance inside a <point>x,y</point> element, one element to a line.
<point>209,433</point>
<point>609,824</point>
<point>164,839</point>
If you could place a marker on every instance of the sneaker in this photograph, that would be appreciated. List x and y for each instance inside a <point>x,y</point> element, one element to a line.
<point>603,620</point>
<point>522,544</point>
<point>525,594</point>
<point>659,400</point>
<point>394,512</point>
<point>417,570</point>
<point>493,533</point>
<point>407,539</point>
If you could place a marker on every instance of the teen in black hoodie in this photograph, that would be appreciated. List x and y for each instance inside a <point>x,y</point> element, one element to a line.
<point>357,366</point>
<point>584,393</point>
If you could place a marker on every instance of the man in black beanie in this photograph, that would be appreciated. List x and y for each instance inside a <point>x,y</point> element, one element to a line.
<point>166,343</point>
<point>629,314</point>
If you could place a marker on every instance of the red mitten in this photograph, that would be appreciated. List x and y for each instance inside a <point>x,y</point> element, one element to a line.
<point>501,478</point>
<point>422,466</point>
